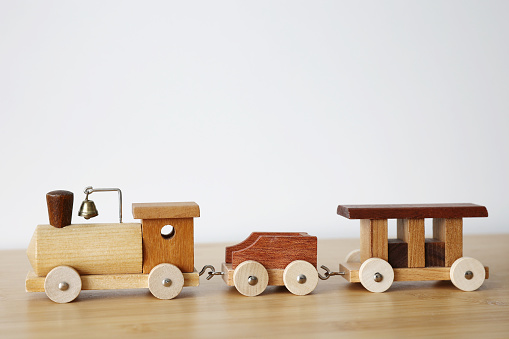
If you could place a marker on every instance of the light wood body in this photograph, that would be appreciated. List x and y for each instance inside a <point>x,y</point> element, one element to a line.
<point>450,231</point>
<point>275,275</point>
<point>33,283</point>
<point>403,274</point>
<point>336,308</point>
<point>88,248</point>
<point>374,239</point>
<point>411,231</point>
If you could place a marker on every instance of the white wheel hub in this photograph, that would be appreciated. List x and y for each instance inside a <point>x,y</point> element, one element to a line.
<point>300,277</point>
<point>165,281</point>
<point>250,278</point>
<point>62,284</point>
<point>376,275</point>
<point>467,274</point>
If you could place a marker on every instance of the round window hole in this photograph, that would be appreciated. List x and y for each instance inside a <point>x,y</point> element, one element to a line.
<point>168,232</point>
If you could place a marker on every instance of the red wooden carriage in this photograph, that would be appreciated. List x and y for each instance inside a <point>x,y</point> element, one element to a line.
<point>270,258</point>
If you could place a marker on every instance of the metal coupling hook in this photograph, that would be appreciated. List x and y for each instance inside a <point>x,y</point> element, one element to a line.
<point>212,271</point>
<point>328,273</point>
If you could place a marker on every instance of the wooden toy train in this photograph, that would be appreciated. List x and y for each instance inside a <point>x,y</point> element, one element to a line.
<point>158,253</point>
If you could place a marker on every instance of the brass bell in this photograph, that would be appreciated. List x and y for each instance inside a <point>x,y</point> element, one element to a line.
<point>88,209</point>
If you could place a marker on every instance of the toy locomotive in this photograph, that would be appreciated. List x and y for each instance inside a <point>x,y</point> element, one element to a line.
<point>158,253</point>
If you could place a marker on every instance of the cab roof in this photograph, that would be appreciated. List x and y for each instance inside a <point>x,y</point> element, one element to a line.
<point>163,210</point>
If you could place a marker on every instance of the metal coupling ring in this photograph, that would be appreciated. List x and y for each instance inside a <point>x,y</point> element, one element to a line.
<point>328,273</point>
<point>212,271</point>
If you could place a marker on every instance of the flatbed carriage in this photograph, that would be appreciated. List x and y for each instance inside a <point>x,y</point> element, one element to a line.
<point>412,257</point>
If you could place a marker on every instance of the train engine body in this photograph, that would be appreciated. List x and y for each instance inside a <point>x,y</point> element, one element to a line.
<point>117,255</point>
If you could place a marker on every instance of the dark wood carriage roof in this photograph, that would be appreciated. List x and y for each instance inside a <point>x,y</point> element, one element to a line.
<point>412,211</point>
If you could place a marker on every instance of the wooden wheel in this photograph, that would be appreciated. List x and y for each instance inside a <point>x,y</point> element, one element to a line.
<point>300,277</point>
<point>467,274</point>
<point>354,256</point>
<point>62,284</point>
<point>250,278</point>
<point>165,281</point>
<point>376,275</point>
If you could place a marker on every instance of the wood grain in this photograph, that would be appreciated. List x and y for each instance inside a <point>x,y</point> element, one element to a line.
<point>88,248</point>
<point>60,204</point>
<point>411,231</point>
<point>473,267</point>
<point>412,211</point>
<point>300,269</point>
<point>57,276</point>
<point>250,269</point>
<point>178,250</point>
<point>277,250</point>
<point>167,272</point>
<point>251,239</point>
<point>165,210</point>
<point>398,253</point>
<point>435,252</point>
<point>336,309</point>
<point>373,266</point>
<point>405,274</point>
<point>34,283</point>
<point>275,275</point>
<point>374,239</point>
<point>450,231</point>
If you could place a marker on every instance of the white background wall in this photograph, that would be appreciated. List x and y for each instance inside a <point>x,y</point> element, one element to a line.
<point>268,114</point>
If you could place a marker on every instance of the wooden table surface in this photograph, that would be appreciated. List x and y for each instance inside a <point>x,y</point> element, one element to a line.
<point>336,308</point>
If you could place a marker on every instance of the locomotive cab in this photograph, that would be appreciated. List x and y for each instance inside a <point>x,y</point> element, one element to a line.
<point>168,235</point>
